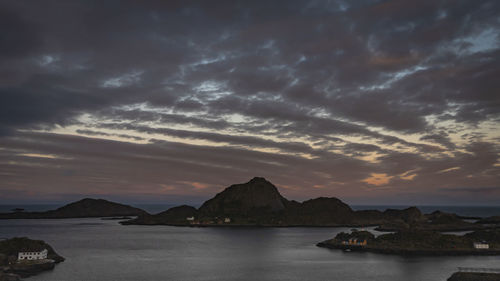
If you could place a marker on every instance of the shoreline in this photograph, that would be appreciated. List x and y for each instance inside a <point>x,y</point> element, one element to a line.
<point>408,252</point>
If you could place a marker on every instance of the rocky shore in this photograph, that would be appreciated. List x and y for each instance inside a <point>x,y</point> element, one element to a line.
<point>10,266</point>
<point>474,276</point>
<point>416,242</point>
<point>29,268</point>
<point>9,277</point>
<point>409,251</point>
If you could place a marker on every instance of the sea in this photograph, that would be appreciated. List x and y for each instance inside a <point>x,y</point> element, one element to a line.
<point>104,250</point>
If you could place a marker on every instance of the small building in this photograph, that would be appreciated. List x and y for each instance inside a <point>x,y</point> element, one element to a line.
<point>227,220</point>
<point>190,218</point>
<point>355,242</point>
<point>33,255</point>
<point>481,245</point>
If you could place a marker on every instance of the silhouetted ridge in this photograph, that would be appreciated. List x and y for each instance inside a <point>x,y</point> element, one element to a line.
<point>87,207</point>
<point>256,202</point>
<point>256,196</point>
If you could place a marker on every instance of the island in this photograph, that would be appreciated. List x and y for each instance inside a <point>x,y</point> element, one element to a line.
<point>259,203</point>
<point>418,242</point>
<point>474,276</point>
<point>85,208</point>
<point>23,257</point>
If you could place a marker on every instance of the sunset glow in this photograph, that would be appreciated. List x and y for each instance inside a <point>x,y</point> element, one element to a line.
<point>368,101</point>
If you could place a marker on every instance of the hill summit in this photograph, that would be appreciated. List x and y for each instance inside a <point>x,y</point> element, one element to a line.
<point>254,197</point>
<point>256,202</point>
<point>84,208</point>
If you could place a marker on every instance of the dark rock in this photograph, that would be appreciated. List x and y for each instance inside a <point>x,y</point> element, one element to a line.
<point>418,242</point>
<point>26,269</point>
<point>11,247</point>
<point>490,220</point>
<point>408,215</point>
<point>87,207</point>
<point>320,211</point>
<point>474,276</point>
<point>259,203</point>
<point>175,215</point>
<point>9,277</point>
<point>254,197</point>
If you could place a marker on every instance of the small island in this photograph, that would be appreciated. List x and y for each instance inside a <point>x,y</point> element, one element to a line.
<point>418,242</point>
<point>259,203</point>
<point>474,276</point>
<point>85,208</point>
<point>24,257</point>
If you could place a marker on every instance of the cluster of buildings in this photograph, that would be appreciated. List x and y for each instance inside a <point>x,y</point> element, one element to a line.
<point>41,255</point>
<point>481,245</point>
<point>355,242</point>
<point>193,221</point>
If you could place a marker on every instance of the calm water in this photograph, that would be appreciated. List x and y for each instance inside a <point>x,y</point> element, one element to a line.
<point>104,250</point>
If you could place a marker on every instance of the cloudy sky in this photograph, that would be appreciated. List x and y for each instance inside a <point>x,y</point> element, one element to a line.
<point>374,102</point>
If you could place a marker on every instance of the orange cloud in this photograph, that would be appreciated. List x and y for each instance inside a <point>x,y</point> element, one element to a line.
<point>199,185</point>
<point>408,175</point>
<point>378,179</point>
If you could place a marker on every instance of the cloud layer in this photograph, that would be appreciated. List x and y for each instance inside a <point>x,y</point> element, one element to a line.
<point>370,101</point>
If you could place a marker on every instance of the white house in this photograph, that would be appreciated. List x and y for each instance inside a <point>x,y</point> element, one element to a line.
<point>227,220</point>
<point>190,218</point>
<point>481,245</point>
<point>33,255</point>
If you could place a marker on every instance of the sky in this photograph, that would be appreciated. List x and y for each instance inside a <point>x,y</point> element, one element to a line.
<point>373,102</point>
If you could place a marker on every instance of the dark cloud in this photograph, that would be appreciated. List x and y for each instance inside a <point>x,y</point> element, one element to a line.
<point>335,90</point>
<point>19,36</point>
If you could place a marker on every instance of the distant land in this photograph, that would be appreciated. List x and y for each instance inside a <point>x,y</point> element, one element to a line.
<point>80,209</point>
<point>259,203</point>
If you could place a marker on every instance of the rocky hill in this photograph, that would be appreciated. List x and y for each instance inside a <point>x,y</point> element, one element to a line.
<point>254,197</point>
<point>258,202</point>
<point>87,207</point>
<point>175,215</point>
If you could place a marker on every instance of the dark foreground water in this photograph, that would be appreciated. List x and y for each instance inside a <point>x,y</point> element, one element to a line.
<point>104,250</point>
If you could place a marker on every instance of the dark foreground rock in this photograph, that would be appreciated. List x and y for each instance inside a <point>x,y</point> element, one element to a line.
<point>417,242</point>
<point>9,277</point>
<point>10,248</point>
<point>474,276</point>
<point>29,268</point>
<point>84,208</point>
